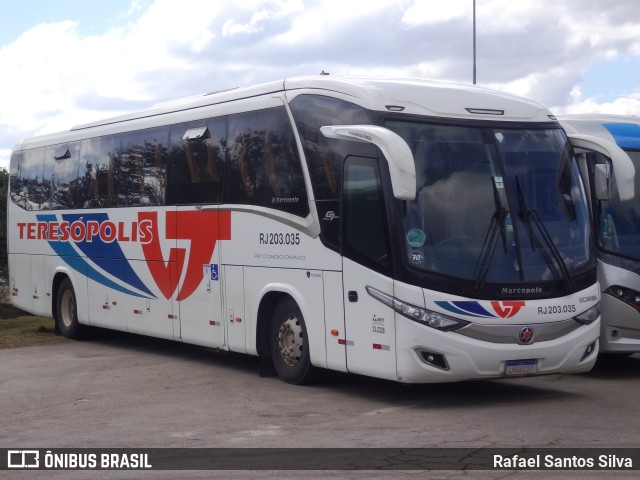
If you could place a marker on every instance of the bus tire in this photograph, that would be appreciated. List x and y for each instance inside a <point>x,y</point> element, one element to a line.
<point>67,311</point>
<point>289,344</point>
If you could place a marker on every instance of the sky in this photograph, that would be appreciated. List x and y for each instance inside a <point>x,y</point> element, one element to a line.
<point>68,62</point>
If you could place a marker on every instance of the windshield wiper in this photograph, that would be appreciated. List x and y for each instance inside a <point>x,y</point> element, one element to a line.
<point>529,214</point>
<point>496,226</point>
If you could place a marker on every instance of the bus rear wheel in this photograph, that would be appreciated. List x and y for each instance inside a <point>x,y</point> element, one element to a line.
<point>289,344</point>
<point>67,312</point>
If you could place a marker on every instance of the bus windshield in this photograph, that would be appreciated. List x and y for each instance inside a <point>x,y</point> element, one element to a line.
<point>618,222</point>
<point>495,205</point>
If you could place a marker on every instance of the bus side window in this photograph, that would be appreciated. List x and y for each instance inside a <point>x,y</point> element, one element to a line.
<point>245,175</point>
<point>325,157</point>
<point>18,192</point>
<point>60,176</point>
<point>99,171</point>
<point>196,161</point>
<point>283,168</point>
<point>27,188</point>
<point>142,178</point>
<point>264,166</point>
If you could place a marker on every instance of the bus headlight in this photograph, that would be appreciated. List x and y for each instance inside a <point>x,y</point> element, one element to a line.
<point>626,295</point>
<point>588,316</point>
<point>417,314</point>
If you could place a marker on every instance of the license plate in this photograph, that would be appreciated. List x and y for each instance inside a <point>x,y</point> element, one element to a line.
<point>521,367</point>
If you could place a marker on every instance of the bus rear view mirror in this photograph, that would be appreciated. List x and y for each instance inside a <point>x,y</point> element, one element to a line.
<point>398,154</point>
<point>623,168</point>
<point>602,181</point>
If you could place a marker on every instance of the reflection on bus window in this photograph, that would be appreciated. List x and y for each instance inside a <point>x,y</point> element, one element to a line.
<point>100,162</point>
<point>264,167</point>
<point>141,179</point>
<point>61,184</point>
<point>196,165</point>
<point>255,151</point>
<point>27,189</point>
<point>324,156</point>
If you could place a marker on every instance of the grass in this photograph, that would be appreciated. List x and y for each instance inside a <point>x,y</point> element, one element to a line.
<point>19,329</point>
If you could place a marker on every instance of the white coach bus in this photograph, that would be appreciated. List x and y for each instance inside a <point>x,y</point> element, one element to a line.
<point>403,229</point>
<point>616,221</point>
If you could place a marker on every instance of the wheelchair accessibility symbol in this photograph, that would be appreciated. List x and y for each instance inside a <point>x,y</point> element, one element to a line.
<point>214,271</point>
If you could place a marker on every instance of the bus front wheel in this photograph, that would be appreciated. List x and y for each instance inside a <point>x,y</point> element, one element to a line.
<point>66,312</point>
<point>290,344</point>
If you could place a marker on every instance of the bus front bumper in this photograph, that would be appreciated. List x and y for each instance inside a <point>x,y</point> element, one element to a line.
<point>436,356</point>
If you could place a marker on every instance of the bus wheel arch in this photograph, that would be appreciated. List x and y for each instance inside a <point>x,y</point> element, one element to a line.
<point>266,309</point>
<point>65,307</point>
<point>283,338</point>
<point>289,343</point>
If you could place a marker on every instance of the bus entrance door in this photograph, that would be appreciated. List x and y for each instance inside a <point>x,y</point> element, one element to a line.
<point>369,323</point>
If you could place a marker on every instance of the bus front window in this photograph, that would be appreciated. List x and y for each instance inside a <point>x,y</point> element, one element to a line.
<point>494,206</point>
<point>618,223</point>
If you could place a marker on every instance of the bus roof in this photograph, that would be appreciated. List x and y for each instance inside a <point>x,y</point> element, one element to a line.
<point>412,96</point>
<point>624,130</point>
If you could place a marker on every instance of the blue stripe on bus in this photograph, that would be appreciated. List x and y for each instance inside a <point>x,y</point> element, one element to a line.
<point>69,255</point>
<point>465,307</point>
<point>626,135</point>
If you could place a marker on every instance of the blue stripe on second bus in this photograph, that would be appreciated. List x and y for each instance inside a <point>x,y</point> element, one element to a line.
<point>626,135</point>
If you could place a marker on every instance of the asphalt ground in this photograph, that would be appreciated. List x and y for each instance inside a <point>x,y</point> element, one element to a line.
<point>118,390</point>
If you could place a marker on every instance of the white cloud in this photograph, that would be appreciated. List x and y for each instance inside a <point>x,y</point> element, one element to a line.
<point>5,155</point>
<point>167,24</point>
<point>626,105</point>
<point>260,13</point>
<point>135,7</point>
<point>53,78</point>
<point>49,69</point>
<point>516,17</point>
<point>425,13</point>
